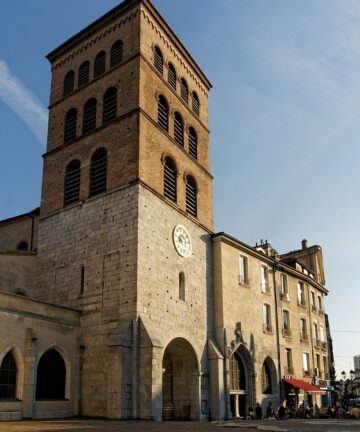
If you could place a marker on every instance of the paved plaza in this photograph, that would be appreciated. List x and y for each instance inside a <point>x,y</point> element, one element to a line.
<point>83,425</point>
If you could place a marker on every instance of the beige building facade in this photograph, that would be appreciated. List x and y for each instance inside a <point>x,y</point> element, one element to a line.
<point>117,300</point>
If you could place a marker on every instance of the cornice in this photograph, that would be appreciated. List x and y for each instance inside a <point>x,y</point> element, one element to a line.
<point>89,43</point>
<point>275,263</point>
<point>177,56</point>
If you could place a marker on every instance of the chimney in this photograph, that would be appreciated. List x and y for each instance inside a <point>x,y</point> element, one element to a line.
<point>304,244</point>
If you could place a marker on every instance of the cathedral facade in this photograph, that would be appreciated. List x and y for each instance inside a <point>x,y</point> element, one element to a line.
<point>117,298</point>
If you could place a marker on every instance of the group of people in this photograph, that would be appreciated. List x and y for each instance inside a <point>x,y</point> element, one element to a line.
<point>289,410</point>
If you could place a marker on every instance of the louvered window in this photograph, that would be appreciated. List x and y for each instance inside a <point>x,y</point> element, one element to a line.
<point>178,129</point>
<point>110,105</point>
<point>191,198</point>
<point>98,172</point>
<point>184,91</point>
<point>170,174</point>
<point>70,125</point>
<point>158,60</point>
<point>163,113</point>
<point>172,76</point>
<point>195,104</point>
<point>116,53</point>
<point>89,116</point>
<point>8,374</point>
<point>99,64</point>
<point>69,83</point>
<point>193,143</point>
<point>72,183</point>
<point>84,72</point>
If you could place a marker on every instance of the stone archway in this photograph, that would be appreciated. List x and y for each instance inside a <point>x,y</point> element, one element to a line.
<point>269,381</point>
<point>180,388</point>
<point>242,382</point>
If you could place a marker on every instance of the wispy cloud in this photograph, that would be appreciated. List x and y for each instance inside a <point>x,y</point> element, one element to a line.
<point>27,106</point>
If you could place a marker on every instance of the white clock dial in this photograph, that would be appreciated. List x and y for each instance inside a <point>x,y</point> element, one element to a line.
<point>182,241</point>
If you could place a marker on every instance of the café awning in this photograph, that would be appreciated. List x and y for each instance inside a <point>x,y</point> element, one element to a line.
<point>303,385</point>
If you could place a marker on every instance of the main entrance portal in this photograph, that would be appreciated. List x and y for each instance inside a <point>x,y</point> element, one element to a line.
<point>242,384</point>
<point>180,382</point>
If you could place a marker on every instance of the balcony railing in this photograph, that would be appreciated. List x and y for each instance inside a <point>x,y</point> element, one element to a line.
<point>302,302</point>
<point>317,343</point>
<point>286,332</point>
<point>307,373</point>
<point>304,336</point>
<point>314,308</point>
<point>284,296</point>
<point>323,345</point>
<point>265,288</point>
<point>326,375</point>
<point>318,373</point>
<point>268,328</point>
<point>289,370</point>
<point>243,280</point>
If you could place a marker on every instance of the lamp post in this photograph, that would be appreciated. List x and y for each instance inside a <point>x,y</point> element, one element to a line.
<point>352,378</point>
<point>343,374</point>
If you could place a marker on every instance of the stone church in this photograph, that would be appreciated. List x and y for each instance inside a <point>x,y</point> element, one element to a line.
<point>117,299</point>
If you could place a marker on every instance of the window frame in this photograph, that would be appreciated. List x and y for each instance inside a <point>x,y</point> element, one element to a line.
<point>244,270</point>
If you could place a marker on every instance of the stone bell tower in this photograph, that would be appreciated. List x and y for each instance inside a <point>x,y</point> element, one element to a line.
<point>126,214</point>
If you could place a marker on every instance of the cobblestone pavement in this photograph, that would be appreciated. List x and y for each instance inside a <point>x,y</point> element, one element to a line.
<point>82,425</point>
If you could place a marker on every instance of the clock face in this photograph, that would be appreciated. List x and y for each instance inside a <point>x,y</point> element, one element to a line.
<point>182,241</point>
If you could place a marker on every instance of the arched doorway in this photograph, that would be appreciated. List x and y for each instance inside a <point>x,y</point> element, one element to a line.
<point>242,382</point>
<point>180,382</point>
<point>51,376</point>
<point>269,377</point>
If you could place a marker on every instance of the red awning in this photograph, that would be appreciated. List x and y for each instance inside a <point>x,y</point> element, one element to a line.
<point>301,384</point>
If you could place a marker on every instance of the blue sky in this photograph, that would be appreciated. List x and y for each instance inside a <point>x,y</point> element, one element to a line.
<point>284,120</point>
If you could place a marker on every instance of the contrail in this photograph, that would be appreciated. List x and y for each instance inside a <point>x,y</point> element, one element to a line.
<point>27,106</point>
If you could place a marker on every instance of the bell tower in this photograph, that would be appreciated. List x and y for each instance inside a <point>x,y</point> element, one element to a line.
<point>126,212</point>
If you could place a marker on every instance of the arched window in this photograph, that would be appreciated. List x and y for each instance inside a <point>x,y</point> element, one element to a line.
<point>84,74</point>
<point>70,125</point>
<point>237,373</point>
<point>163,113</point>
<point>193,143</point>
<point>170,174</point>
<point>72,182</point>
<point>98,172</point>
<point>266,379</point>
<point>158,60</point>
<point>178,129</point>
<point>116,53</point>
<point>110,105</point>
<point>69,83</point>
<point>172,76</point>
<point>23,246</point>
<point>99,64</point>
<point>184,91</point>
<point>191,196</point>
<point>8,374</point>
<point>182,286</point>
<point>195,104</point>
<point>89,115</point>
<point>51,375</point>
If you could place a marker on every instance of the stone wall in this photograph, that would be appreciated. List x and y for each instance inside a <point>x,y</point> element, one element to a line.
<point>17,270</point>
<point>28,329</point>
<point>19,229</point>
<point>100,236</point>
<point>164,314</point>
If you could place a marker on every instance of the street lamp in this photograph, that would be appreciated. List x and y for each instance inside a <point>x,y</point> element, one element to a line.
<point>343,387</point>
<point>352,377</point>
